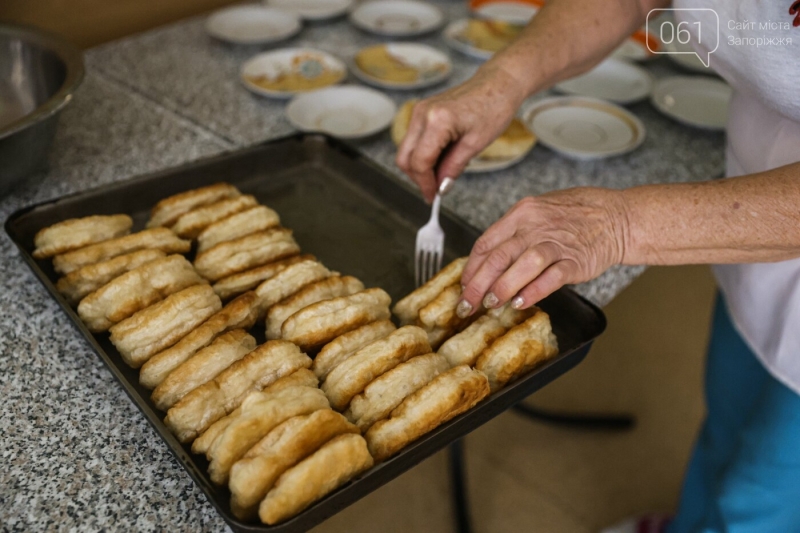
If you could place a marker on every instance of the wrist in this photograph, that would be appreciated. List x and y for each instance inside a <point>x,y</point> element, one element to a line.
<point>512,79</point>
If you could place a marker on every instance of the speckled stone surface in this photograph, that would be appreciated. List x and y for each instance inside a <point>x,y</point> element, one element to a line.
<point>76,454</point>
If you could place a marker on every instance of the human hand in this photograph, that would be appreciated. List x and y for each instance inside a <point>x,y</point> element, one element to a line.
<point>543,243</point>
<point>449,129</point>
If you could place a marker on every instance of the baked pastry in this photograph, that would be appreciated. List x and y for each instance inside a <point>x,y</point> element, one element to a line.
<point>345,345</point>
<point>157,238</point>
<point>379,62</point>
<point>449,394</point>
<point>407,309</point>
<point>231,257</point>
<point>320,323</point>
<point>78,283</point>
<point>332,287</point>
<point>161,325</point>
<point>209,402</point>
<point>521,349</point>
<point>135,290</point>
<point>258,218</point>
<point>514,142</point>
<point>259,414</point>
<point>202,367</point>
<point>353,375</point>
<point>168,210</point>
<point>340,460</point>
<point>490,35</point>
<point>238,313</point>
<point>299,378</point>
<point>288,443</point>
<point>386,392</point>
<point>288,281</point>
<point>76,233</point>
<point>250,279</point>
<point>190,224</point>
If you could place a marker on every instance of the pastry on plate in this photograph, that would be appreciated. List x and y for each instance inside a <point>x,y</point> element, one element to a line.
<point>156,238</point>
<point>169,210</point>
<point>334,464</point>
<point>135,290</point>
<point>76,233</point>
<point>147,332</point>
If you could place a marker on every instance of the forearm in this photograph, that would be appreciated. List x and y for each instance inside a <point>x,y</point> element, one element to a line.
<point>749,219</point>
<point>567,38</point>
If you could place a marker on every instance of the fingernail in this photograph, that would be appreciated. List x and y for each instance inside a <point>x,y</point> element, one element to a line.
<point>463,288</point>
<point>517,302</point>
<point>464,309</point>
<point>490,301</point>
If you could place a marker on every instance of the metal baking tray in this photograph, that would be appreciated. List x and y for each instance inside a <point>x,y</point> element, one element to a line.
<point>356,218</point>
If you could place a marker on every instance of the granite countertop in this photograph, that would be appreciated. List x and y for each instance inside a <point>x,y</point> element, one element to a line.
<point>76,453</point>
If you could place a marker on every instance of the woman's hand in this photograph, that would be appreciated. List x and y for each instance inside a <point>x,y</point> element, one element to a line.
<point>543,243</point>
<point>449,129</point>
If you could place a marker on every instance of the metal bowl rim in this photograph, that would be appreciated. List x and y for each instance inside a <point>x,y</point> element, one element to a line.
<point>73,62</point>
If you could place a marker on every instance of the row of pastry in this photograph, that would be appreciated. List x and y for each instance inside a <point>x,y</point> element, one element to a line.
<point>282,430</point>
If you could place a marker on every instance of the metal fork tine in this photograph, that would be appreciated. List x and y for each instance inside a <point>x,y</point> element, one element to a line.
<point>439,254</point>
<point>430,241</point>
<point>417,265</point>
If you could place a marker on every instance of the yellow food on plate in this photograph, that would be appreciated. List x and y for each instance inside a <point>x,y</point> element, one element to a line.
<point>449,394</point>
<point>514,142</point>
<point>490,35</point>
<point>378,61</point>
<point>307,72</point>
<point>330,467</point>
<point>292,441</point>
<point>79,232</point>
<point>521,349</point>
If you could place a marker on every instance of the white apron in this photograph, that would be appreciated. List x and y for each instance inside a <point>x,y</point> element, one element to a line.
<point>763,133</point>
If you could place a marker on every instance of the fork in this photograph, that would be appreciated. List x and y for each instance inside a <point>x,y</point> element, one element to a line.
<point>430,240</point>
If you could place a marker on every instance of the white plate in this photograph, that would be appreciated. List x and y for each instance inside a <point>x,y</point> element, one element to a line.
<point>513,12</point>
<point>452,35</point>
<point>584,128</point>
<point>422,57</point>
<point>274,63</point>
<point>348,111</point>
<point>313,9</point>
<point>252,25</point>
<point>684,56</point>
<point>613,80</point>
<point>397,18</point>
<point>697,101</point>
<point>635,49</point>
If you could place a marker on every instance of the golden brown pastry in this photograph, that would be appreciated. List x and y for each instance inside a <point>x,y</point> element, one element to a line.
<point>168,210</point>
<point>288,281</point>
<point>378,62</point>
<point>157,238</point>
<point>250,279</point>
<point>135,290</point>
<point>231,257</point>
<point>521,349</point>
<point>258,218</point>
<point>407,309</point>
<point>345,345</point>
<point>332,287</point>
<point>300,378</point>
<point>290,442</point>
<point>78,283</point>
<point>490,35</point>
<point>337,462</point>
<point>238,313</point>
<point>351,376</point>
<point>386,392</point>
<point>441,311</point>
<point>203,367</point>
<point>190,224</point>
<point>318,324</point>
<point>161,325</point>
<point>79,232</point>
<point>449,394</point>
<point>209,402</point>
<point>260,413</point>
<point>465,347</point>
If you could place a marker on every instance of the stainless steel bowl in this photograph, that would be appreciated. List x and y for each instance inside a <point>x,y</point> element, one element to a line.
<point>39,73</point>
